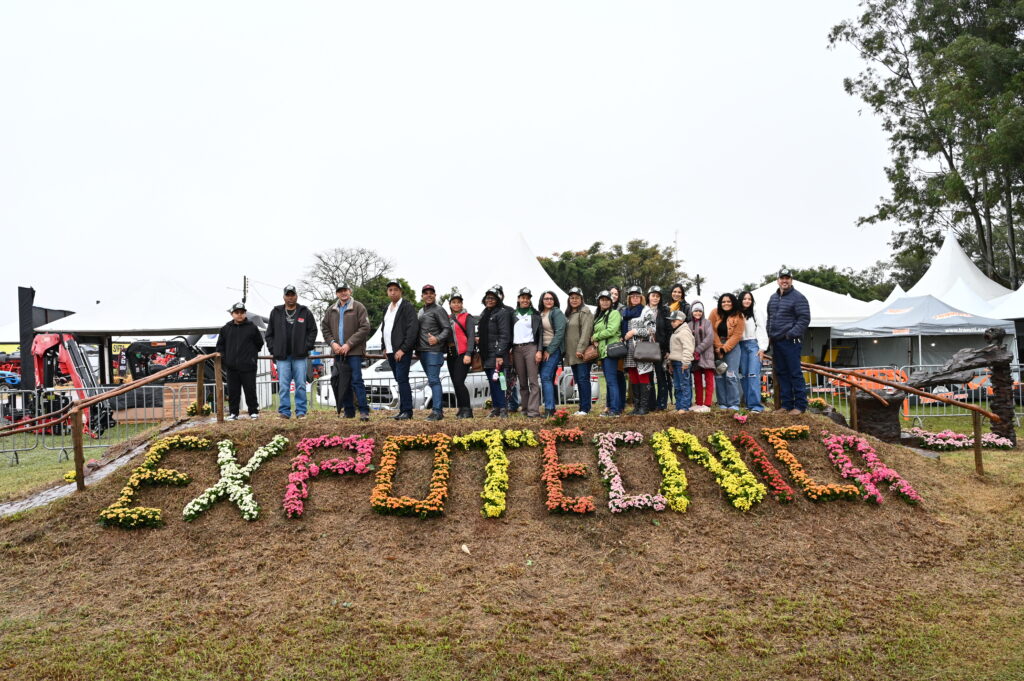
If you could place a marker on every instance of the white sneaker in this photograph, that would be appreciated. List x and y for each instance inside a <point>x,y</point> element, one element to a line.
<point>232,417</point>
<point>580,413</point>
<point>254,416</point>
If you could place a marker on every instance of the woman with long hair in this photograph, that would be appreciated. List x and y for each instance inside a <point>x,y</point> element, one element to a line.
<point>703,367</point>
<point>460,353</point>
<point>549,352</point>
<point>579,327</point>
<point>607,329</point>
<point>677,296</point>
<point>728,323</point>
<point>495,340</point>
<point>662,334</point>
<point>755,340</point>
<point>639,324</point>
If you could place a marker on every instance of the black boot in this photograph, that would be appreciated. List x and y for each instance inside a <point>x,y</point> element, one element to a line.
<point>643,399</point>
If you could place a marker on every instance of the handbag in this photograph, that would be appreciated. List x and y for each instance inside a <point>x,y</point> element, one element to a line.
<point>477,363</point>
<point>591,354</point>
<point>647,351</point>
<point>616,350</point>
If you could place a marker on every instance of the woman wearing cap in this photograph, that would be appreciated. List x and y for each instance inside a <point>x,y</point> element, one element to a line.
<point>495,333</point>
<point>526,339</point>
<point>639,324</point>
<point>662,334</point>
<point>703,367</point>
<point>608,329</point>
<point>549,353</point>
<point>755,341</point>
<point>460,353</point>
<point>728,323</point>
<point>678,300</point>
<point>579,328</point>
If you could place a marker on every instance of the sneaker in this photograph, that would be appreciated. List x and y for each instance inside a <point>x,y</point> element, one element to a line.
<point>284,416</point>
<point>796,412</point>
<point>364,417</point>
<point>580,413</point>
<point>682,411</point>
<point>232,417</point>
<point>435,416</point>
<point>254,416</point>
<point>300,416</point>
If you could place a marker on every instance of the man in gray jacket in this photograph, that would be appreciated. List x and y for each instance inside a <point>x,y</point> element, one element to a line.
<point>432,344</point>
<point>346,326</point>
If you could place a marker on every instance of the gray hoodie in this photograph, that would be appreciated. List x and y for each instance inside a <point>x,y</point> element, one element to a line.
<point>703,337</point>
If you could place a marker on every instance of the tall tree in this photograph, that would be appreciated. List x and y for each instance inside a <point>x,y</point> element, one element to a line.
<point>946,78</point>
<point>356,267</point>
<point>597,268</point>
<point>872,283</point>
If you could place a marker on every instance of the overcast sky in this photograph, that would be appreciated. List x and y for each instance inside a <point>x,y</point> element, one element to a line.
<point>429,131</point>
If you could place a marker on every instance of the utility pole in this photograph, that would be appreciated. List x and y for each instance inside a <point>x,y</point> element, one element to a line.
<point>245,288</point>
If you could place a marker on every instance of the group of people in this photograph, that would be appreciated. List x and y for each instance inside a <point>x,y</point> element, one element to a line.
<point>666,346</point>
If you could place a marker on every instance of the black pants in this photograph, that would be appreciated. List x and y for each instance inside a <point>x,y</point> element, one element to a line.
<point>458,370</point>
<point>237,381</point>
<point>664,386</point>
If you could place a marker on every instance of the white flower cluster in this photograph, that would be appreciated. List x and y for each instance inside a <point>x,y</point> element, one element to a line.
<point>234,480</point>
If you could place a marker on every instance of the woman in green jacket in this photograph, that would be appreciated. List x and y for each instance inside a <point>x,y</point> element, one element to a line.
<point>579,327</point>
<point>608,329</point>
<point>549,357</point>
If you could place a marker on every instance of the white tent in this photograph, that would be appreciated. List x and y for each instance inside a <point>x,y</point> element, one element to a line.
<point>878,305</point>
<point>961,297</point>
<point>951,265</point>
<point>1011,306</point>
<point>827,308</point>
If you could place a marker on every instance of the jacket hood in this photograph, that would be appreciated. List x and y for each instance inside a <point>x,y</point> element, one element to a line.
<point>696,305</point>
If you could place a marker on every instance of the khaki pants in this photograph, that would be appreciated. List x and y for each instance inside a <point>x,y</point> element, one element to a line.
<point>524,359</point>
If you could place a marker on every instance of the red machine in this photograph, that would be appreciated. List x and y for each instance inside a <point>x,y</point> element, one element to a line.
<point>59,361</point>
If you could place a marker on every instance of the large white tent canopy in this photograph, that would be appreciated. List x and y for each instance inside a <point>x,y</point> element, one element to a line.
<point>951,266</point>
<point>827,308</point>
<point>1011,306</point>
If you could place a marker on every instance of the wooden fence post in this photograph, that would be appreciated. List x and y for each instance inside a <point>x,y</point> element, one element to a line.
<point>76,441</point>
<point>979,467</point>
<point>200,387</point>
<point>219,395</point>
<point>853,407</point>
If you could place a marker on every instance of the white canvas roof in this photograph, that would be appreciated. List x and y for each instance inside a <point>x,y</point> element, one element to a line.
<point>950,265</point>
<point>827,308</point>
<point>961,297</point>
<point>1011,306</point>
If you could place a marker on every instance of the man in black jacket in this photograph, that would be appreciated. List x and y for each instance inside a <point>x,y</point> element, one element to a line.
<point>789,315</point>
<point>400,331</point>
<point>291,334</point>
<point>239,344</point>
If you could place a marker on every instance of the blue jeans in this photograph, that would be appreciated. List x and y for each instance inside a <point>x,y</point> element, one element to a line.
<point>289,370</point>
<point>681,385</point>
<point>497,394</point>
<point>615,399</point>
<point>792,389</point>
<point>432,363</point>
<point>750,375</point>
<point>358,388</point>
<point>727,385</point>
<point>581,374</point>
<point>400,370</point>
<point>547,378</point>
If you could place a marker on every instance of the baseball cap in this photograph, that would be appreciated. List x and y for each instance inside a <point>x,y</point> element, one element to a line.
<point>784,272</point>
<point>576,290</point>
<point>454,295</point>
<point>526,292</point>
<point>341,287</point>
<point>654,289</point>
<point>394,282</point>
<point>677,315</point>
<point>236,307</point>
<point>428,287</point>
<point>604,294</point>
<point>290,288</point>
<point>634,289</point>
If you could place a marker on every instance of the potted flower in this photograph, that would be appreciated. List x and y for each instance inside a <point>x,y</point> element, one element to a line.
<point>818,405</point>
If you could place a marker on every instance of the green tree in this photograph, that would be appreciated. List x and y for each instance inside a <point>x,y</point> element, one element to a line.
<point>597,268</point>
<point>872,283</point>
<point>374,295</point>
<point>947,79</point>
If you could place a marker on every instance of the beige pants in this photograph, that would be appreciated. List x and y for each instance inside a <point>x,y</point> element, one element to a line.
<point>524,359</point>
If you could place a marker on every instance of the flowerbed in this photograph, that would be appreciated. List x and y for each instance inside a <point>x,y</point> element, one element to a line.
<point>381,498</point>
<point>121,513</point>
<point>618,500</point>
<point>837,447</point>
<point>234,480</point>
<point>555,471</point>
<point>673,479</point>
<point>777,485</point>
<point>740,486</point>
<point>303,467</point>
<point>496,471</point>
<point>949,440</point>
<point>778,438</point>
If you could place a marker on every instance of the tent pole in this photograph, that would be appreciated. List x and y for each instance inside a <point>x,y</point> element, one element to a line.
<point>920,350</point>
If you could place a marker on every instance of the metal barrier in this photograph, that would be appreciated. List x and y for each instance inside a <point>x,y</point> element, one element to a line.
<point>835,392</point>
<point>976,391</point>
<point>14,405</point>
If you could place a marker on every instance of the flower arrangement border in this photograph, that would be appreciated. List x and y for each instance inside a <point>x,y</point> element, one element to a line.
<point>739,485</point>
<point>777,485</point>
<point>555,471</point>
<point>493,442</point>
<point>673,480</point>
<point>381,498</point>
<point>303,468</point>
<point>951,441</point>
<point>838,447</point>
<point>121,513</point>
<point>779,439</point>
<point>618,500</point>
<point>234,480</point>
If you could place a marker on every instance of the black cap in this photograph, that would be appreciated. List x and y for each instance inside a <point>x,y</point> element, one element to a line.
<point>491,292</point>
<point>634,289</point>
<point>576,290</point>
<point>236,307</point>
<point>393,282</point>
<point>524,291</point>
<point>604,294</point>
<point>784,272</point>
<point>454,295</point>
<point>654,289</point>
<point>290,288</point>
<point>341,287</point>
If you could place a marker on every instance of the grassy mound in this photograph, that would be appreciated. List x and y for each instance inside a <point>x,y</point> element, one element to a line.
<point>836,590</point>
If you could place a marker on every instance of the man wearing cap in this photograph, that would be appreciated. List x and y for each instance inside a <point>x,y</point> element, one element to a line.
<point>526,338</point>
<point>291,334</point>
<point>239,343</point>
<point>434,332</point>
<point>346,327</point>
<point>400,330</point>
<point>789,315</point>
